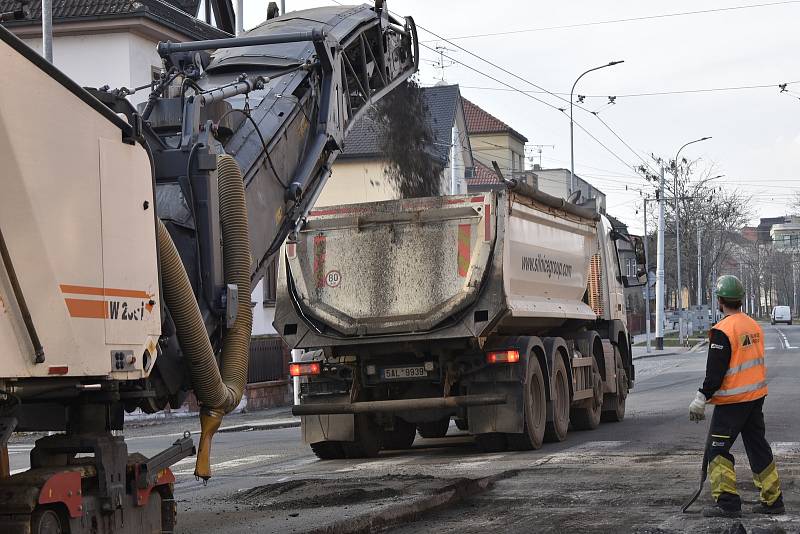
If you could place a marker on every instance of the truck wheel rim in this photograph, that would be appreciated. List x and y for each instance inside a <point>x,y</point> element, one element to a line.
<point>49,523</point>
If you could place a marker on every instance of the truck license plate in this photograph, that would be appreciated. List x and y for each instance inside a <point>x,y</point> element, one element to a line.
<point>404,372</point>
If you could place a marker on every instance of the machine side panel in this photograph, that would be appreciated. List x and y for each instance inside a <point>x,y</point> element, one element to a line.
<point>546,262</point>
<point>50,214</point>
<point>130,262</point>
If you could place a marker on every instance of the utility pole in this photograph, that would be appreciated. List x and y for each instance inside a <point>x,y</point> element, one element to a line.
<point>239,17</point>
<point>647,282</point>
<point>678,237</point>
<point>699,270</point>
<point>660,267</point>
<point>47,29</point>
<point>713,303</point>
<point>679,293</point>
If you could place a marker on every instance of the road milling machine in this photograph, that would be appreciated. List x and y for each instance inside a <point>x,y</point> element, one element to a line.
<point>131,238</point>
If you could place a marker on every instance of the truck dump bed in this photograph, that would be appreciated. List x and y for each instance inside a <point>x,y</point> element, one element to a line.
<point>392,266</point>
<point>410,266</point>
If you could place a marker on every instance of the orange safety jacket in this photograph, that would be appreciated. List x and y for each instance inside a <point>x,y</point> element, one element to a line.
<point>746,378</point>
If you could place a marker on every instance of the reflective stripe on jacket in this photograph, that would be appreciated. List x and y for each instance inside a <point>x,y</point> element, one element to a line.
<point>746,378</point>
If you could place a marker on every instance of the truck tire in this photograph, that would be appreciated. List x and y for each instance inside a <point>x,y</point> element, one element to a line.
<point>534,410</point>
<point>614,403</point>
<point>48,520</point>
<point>434,429</point>
<point>586,414</point>
<point>401,437</point>
<point>556,430</point>
<point>328,450</point>
<point>367,443</point>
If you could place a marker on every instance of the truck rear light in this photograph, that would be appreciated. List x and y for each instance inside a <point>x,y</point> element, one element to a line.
<point>304,369</point>
<point>502,356</point>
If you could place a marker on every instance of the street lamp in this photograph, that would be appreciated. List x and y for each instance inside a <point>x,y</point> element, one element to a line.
<point>678,237</point>
<point>571,124</point>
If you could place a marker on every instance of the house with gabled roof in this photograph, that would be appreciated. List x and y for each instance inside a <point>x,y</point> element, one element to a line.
<point>494,140</point>
<point>112,42</point>
<point>359,173</point>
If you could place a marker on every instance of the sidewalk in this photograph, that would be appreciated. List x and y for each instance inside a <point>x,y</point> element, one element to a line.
<point>257,420</point>
<point>640,353</point>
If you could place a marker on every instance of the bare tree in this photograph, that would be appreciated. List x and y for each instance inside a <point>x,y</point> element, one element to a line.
<point>718,213</point>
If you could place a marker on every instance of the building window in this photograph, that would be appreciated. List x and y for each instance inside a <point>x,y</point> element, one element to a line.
<point>270,284</point>
<point>630,267</point>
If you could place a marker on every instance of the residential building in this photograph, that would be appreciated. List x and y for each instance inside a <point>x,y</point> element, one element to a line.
<point>359,173</point>
<point>556,182</point>
<point>112,42</point>
<point>786,235</point>
<point>764,228</point>
<point>494,140</point>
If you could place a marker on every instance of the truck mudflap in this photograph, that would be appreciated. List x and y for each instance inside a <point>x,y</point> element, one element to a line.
<point>506,417</point>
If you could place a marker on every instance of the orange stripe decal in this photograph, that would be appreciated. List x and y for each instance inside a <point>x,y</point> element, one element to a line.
<point>104,291</point>
<point>87,309</point>
<point>464,253</point>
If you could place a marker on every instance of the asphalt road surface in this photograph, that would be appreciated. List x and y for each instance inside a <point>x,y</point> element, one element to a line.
<point>623,477</point>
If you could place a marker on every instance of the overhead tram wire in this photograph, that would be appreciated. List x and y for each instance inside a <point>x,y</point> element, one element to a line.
<point>548,104</point>
<point>656,93</point>
<point>562,110</point>
<point>510,73</point>
<point>628,19</point>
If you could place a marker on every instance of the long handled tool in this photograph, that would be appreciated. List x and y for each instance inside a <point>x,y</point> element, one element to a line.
<point>704,473</point>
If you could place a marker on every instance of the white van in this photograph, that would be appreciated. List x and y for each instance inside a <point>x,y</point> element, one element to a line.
<point>781,314</point>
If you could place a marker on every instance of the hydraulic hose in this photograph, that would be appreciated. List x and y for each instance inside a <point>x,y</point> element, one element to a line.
<point>218,393</point>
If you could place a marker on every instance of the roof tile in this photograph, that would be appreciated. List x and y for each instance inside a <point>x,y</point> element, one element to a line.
<point>483,175</point>
<point>480,121</point>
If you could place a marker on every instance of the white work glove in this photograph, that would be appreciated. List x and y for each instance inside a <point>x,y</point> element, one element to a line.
<point>697,409</point>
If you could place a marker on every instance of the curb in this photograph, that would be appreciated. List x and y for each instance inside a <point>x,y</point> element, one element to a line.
<point>646,356</point>
<point>697,347</point>
<point>247,427</point>
<point>408,512</point>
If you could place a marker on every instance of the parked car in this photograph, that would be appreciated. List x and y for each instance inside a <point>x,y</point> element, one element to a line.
<point>781,314</point>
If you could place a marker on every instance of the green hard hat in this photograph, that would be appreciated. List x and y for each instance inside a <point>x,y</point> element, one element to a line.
<point>730,287</point>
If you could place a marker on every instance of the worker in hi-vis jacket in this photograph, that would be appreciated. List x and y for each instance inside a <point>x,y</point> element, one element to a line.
<point>736,385</point>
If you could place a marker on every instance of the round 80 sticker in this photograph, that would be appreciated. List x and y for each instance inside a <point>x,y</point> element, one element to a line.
<point>333,278</point>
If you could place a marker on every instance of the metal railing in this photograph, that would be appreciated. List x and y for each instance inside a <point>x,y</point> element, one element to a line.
<point>269,360</point>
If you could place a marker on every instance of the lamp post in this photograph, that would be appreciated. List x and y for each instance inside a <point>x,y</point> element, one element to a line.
<point>678,238</point>
<point>571,124</point>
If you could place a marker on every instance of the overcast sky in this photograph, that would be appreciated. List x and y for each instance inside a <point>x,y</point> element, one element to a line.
<point>756,132</point>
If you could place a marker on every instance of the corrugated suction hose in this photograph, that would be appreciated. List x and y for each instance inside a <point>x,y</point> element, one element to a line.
<point>218,393</point>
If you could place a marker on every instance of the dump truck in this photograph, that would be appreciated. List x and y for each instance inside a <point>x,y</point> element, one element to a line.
<point>504,310</point>
<point>130,239</point>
